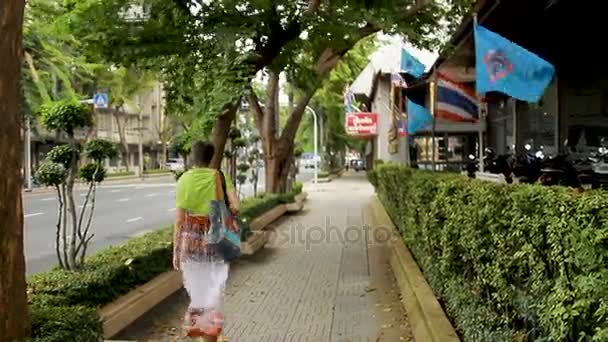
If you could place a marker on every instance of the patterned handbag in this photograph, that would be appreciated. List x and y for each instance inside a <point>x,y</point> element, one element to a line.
<point>224,224</point>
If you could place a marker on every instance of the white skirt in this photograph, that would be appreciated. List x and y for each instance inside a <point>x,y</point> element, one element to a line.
<point>205,283</point>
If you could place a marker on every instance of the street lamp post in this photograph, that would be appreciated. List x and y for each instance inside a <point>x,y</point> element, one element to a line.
<point>28,154</point>
<point>316,143</point>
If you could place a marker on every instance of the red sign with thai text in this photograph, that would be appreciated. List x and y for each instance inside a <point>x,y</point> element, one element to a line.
<point>361,124</point>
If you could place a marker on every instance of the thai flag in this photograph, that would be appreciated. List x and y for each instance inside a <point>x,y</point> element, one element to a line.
<point>456,101</point>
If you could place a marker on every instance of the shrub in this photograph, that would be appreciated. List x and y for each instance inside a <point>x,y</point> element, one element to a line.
<point>66,115</point>
<point>87,172</point>
<point>100,149</point>
<point>156,171</point>
<point>51,173</point>
<point>525,263</point>
<point>61,154</point>
<point>120,174</point>
<point>64,304</point>
<point>60,324</point>
<point>297,188</point>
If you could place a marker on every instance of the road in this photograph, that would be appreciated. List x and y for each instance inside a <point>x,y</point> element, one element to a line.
<point>122,211</point>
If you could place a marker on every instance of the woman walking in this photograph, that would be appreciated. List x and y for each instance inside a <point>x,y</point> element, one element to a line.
<point>203,268</point>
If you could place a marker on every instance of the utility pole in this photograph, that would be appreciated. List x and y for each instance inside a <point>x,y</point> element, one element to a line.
<point>141,140</point>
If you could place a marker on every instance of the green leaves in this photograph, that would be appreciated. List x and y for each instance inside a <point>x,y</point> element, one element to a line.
<point>62,154</point>
<point>524,263</point>
<point>65,116</point>
<point>100,149</point>
<point>51,173</point>
<point>92,172</point>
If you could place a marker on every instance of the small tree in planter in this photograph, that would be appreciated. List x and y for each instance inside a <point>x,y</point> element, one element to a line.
<point>241,178</point>
<point>60,170</point>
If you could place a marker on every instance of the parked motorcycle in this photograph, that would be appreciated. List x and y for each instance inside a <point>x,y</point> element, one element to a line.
<point>559,170</point>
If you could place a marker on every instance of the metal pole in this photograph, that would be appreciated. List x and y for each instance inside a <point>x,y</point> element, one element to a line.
<point>141,142</point>
<point>432,105</point>
<point>316,144</point>
<point>28,155</point>
<point>408,158</point>
<point>480,133</point>
<point>514,111</point>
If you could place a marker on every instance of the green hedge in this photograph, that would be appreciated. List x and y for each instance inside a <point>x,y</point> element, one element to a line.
<point>509,263</point>
<point>64,303</point>
<point>120,174</point>
<point>156,171</point>
<point>297,188</point>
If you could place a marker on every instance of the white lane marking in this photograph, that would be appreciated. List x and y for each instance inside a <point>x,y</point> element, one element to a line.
<point>172,191</point>
<point>114,191</point>
<point>171,209</point>
<point>150,195</point>
<point>48,199</point>
<point>122,200</point>
<point>135,219</point>
<point>32,215</point>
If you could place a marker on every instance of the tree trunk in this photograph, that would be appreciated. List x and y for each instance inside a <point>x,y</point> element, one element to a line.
<point>71,205</point>
<point>124,146</point>
<point>220,132</point>
<point>163,158</point>
<point>14,322</point>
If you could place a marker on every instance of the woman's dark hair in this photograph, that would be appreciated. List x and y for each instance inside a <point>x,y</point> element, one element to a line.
<point>202,153</point>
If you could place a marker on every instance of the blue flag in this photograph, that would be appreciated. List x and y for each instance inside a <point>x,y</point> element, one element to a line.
<point>411,65</point>
<point>506,67</point>
<point>419,118</point>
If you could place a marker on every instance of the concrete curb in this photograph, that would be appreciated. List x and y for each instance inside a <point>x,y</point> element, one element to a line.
<point>257,241</point>
<point>127,309</point>
<point>427,318</point>
<point>298,205</point>
<point>268,217</point>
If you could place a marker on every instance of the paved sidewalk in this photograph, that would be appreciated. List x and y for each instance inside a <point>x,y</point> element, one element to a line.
<point>322,278</point>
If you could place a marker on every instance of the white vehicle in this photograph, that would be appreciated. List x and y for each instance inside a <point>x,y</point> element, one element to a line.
<point>309,162</point>
<point>174,164</point>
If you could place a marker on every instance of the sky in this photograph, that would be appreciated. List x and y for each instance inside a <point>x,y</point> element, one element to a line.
<point>395,42</point>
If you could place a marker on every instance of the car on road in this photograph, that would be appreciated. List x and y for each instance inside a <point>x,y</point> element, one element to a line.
<point>174,164</point>
<point>308,161</point>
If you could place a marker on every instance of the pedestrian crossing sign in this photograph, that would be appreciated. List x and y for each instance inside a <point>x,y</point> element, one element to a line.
<point>100,100</point>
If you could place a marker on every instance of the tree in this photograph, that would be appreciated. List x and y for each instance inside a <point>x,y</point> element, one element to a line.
<point>60,170</point>
<point>328,102</point>
<point>14,322</point>
<point>306,39</point>
<point>54,65</point>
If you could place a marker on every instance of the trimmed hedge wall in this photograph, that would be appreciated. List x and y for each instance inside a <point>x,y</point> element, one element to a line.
<point>508,262</point>
<point>64,304</point>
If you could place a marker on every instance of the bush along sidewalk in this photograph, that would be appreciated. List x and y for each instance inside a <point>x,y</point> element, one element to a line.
<point>509,262</point>
<point>64,305</point>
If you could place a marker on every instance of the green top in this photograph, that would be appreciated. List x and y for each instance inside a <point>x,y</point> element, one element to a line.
<point>196,189</point>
